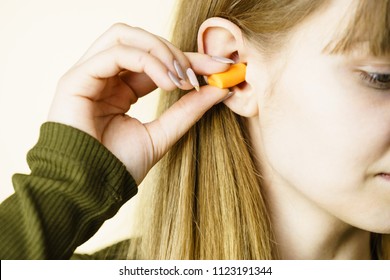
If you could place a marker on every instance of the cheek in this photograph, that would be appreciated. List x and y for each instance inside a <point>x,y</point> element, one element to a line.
<point>319,137</point>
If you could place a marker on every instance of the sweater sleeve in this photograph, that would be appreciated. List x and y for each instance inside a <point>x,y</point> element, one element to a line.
<point>75,185</point>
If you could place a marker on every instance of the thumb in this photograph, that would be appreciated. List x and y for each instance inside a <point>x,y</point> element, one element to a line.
<point>181,116</point>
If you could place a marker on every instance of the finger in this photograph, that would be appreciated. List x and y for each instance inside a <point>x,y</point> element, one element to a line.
<point>181,116</point>
<point>140,83</point>
<point>123,34</point>
<point>181,62</point>
<point>111,62</point>
<point>174,59</point>
<point>203,64</point>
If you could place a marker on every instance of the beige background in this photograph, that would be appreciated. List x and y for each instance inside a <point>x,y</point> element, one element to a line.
<point>40,40</point>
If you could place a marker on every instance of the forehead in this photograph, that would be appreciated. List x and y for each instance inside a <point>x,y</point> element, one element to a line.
<point>322,27</point>
<point>367,28</point>
<point>345,26</point>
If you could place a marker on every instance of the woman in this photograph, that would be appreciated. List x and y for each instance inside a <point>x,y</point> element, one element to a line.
<point>294,165</point>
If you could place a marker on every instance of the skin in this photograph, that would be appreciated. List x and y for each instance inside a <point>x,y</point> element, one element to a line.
<point>96,94</point>
<point>321,134</point>
<point>322,138</point>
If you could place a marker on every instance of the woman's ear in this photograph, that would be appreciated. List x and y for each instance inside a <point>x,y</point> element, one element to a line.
<point>221,37</point>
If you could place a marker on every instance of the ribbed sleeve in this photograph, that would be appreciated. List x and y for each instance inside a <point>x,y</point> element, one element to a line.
<point>74,186</point>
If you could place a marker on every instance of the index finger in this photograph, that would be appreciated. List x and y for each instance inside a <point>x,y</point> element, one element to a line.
<point>204,64</point>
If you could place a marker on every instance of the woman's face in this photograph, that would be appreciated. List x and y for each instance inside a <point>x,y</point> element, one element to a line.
<point>325,125</point>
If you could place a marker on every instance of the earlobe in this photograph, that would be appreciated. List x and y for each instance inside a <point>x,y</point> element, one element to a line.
<point>220,37</point>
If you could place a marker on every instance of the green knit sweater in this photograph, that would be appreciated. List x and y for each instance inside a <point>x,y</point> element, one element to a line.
<point>74,186</point>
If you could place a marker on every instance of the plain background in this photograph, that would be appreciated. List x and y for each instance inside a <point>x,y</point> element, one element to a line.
<point>40,41</point>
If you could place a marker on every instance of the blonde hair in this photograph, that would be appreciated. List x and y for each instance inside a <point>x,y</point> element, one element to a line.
<point>207,200</point>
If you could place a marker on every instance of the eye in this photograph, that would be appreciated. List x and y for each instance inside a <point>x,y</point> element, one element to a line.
<point>376,80</point>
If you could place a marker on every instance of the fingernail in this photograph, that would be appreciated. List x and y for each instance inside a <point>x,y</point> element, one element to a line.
<point>179,70</point>
<point>222,59</point>
<point>174,79</point>
<point>227,96</point>
<point>205,79</point>
<point>192,77</point>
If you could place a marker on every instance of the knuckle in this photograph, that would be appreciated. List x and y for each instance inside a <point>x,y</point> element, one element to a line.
<point>122,33</point>
<point>118,27</point>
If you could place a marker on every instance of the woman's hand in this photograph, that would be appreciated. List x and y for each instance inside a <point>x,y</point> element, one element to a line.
<point>124,64</point>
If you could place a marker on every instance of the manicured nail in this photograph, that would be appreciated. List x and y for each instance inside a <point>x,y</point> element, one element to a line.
<point>222,59</point>
<point>174,79</point>
<point>227,96</point>
<point>192,77</point>
<point>179,70</point>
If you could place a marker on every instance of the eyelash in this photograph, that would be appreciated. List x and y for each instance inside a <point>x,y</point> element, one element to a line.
<point>376,80</point>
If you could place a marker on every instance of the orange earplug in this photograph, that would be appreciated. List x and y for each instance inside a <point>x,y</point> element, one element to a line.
<point>229,78</point>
